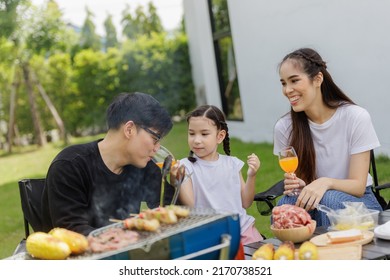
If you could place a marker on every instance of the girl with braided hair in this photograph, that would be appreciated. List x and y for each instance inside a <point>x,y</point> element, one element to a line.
<point>331,135</point>
<point>216,180</point>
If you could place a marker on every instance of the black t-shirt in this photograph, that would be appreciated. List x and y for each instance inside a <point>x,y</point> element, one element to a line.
<point>82,194</point>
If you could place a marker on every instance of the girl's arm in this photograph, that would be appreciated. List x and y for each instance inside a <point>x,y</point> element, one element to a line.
<point>355,184</point>
<point>248,188</point>
<point>186,194</point>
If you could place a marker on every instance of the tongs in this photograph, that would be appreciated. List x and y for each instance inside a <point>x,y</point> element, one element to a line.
<point>177,183</point>
<point>164,173</point>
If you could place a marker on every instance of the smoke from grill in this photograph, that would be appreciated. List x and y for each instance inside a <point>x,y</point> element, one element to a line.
<point>117,200</point>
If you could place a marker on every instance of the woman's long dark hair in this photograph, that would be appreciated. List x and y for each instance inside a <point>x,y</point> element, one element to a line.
<point>217,116</point>
<point>301,139</point>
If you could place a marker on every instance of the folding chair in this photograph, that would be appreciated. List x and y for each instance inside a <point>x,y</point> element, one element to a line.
<point>30,196</point>
<point>266,201</point>
<point>31,191</point>
<point>376,188</point>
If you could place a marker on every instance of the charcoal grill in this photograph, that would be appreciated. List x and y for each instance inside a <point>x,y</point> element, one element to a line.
<point>204,234</point>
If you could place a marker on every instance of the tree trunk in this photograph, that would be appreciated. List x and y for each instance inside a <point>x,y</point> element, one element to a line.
<point>2,145</point>
<point>50,105</point>
<point>12,106</point>
<point>40,137</point>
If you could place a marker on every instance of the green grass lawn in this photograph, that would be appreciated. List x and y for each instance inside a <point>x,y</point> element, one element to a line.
<point>33,162</point>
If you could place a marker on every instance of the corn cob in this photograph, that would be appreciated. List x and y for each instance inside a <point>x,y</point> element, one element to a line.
<point>77,242</point>
<point>285,251</point>
<point>42,245</point>
<point>308,251</point>
<point>265,252</point>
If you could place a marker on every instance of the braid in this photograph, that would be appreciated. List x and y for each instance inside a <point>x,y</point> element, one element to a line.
<point>316,61</point>
<point>191,157</point>
<point>226,141</point>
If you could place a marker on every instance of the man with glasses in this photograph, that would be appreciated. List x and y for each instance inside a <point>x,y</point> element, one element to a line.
<point>89,184</point>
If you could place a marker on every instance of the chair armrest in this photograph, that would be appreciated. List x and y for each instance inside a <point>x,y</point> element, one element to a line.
<point>382,187</point>
<point>273,192</point>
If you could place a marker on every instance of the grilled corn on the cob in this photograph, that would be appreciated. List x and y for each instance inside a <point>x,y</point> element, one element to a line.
<point>42,245</point>
<point>285,251</point>
<point>77,242</point>
<point>308,251</point>
<point>265,252</point>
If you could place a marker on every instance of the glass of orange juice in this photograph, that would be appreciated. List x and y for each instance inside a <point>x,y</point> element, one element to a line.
<point>160,156</point>
<point>288,161</point>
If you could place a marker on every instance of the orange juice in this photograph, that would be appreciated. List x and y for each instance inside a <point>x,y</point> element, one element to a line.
<point>289,164</point>
<point>160,164</point>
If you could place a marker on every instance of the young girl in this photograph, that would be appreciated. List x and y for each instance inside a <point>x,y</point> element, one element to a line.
<point>216,180</point>
<point>331,134</point>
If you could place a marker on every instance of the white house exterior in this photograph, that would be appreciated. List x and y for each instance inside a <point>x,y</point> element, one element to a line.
<point>350,35</point>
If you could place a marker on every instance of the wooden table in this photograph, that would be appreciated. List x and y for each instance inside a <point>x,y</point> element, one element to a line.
<point>377,249</point>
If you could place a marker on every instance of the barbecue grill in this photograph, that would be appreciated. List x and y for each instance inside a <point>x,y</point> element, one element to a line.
<point>204,234</point>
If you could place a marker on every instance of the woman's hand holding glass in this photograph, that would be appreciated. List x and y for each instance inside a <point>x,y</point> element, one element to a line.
<point>288,161</point>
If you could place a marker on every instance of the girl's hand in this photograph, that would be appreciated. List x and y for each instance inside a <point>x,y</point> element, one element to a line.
<point>174,172</point>
<point>292,184</point>
<point>253,164</point>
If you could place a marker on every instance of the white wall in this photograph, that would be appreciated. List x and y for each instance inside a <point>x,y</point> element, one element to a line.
<point>349,34</point>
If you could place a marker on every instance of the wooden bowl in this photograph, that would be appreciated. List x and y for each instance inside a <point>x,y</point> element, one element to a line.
<point>296,235</point>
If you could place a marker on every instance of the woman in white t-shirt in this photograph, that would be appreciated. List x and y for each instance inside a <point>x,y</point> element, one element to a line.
<point>331,135</point>
<point>216,180</point>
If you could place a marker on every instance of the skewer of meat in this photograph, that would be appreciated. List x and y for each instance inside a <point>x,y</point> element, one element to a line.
<point>142,224</point>
<point>164,215</point>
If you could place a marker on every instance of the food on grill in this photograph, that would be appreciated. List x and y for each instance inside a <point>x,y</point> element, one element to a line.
<point>286,251</point>
<point>289,216</point>
<point>180,212</point>
<point>45,246</point>
<point>142,224</point>
<point>344,236</point>
<point>77,242</point>
<point>164,215</point>
<point>265,252</point>
<point>112,239</point>
<point>308,251</point>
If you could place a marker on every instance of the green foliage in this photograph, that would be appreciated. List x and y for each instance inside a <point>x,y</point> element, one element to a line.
<point>7,57</point>
<point>82,82</point>
<point>159,65</point>
<point>129,30</point>
<point>91,96</point>
<point>111,36</point>
<point>152,22</point>
<point>55,75</point>
<point>88,38</point>
<point>48,31</point>
<point>8,18</point>
<point>141,23</point>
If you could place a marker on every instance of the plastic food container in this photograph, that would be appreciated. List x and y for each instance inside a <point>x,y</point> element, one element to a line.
<point>343,220</point>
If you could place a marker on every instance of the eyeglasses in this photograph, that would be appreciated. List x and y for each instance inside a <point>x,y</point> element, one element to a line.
<point>156,137</point>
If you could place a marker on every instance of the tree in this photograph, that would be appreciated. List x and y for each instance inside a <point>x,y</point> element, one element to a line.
<point>153,21</point>
<point>35,35</point>
<point>111,36</point>
<point>134,26</point>
<point>159,66</point>
<point>89,39</point>
<point>127,22</point>
<point>8,17</point>
<point>48,31</point>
